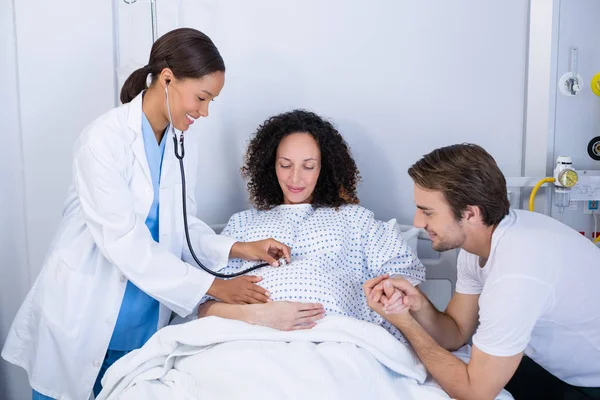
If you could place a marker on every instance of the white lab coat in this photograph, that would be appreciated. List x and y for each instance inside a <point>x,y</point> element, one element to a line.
<point>61,332</point>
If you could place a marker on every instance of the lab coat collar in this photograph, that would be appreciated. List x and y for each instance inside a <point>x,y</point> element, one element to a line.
<point>134,121</point>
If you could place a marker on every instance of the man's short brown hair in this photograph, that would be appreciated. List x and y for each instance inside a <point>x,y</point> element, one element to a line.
<point>467,175</point>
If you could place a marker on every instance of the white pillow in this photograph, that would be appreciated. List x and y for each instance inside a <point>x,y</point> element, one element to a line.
<point>411,235</point>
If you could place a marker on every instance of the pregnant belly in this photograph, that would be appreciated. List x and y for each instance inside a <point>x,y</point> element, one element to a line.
<point>337,289</point>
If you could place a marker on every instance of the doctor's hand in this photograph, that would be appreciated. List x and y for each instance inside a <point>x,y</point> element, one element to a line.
<point>269,250</point>
<point>240,290</point>
<point>286,315</point>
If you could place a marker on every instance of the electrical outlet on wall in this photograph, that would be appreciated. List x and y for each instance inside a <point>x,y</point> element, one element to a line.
<point>591,207</point>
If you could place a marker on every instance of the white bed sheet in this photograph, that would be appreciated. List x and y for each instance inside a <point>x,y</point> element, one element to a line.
<point>215,358</point>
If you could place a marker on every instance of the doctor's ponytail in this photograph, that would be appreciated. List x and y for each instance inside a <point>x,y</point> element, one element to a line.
<point>134,85</point>
<point>187,52</point>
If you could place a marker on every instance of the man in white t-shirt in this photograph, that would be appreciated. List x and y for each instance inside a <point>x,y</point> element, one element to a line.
<point>527,285</point>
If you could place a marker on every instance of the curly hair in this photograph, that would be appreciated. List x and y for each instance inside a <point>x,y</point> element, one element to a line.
<point>338,177</point>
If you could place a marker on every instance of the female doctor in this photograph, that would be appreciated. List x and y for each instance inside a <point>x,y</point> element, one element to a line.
<point>118,267</point>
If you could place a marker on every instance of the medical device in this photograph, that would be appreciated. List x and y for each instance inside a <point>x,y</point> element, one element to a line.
<point>180,154</point>
<point>593,147</point>
<point>565,177</point>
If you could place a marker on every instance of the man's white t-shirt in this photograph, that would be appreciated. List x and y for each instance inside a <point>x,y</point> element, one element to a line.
<point>540,293</point>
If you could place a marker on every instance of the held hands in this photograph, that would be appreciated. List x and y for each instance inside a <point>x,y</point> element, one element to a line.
<point>240,290</point>
<point>287,316</point>
<point>269,250</point>
<point>389,296</point>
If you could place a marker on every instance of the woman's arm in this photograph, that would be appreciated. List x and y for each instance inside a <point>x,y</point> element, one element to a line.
<point>282,315</point>
<point>388,253</point>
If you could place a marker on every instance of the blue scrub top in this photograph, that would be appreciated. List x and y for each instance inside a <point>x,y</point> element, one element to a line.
<point>138,317</point>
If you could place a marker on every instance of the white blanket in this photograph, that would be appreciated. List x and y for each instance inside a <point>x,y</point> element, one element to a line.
<point>214,358</point>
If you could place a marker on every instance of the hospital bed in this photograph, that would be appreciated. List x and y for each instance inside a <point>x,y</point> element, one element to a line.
<point>214,358</point>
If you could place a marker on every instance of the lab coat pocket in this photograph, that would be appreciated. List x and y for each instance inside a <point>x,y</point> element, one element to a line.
<point>64,296</point>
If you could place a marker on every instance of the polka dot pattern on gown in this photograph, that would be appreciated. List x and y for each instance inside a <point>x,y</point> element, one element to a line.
<point>333,253</point>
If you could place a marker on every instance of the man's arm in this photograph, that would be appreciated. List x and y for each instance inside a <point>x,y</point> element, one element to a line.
<point>451,329</point>
<point>505,329</point>
<point>484,376</point>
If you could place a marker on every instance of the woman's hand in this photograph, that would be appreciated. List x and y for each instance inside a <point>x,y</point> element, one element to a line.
<point>269,250</point>
<point>285,315</point>
<point>240,290</point>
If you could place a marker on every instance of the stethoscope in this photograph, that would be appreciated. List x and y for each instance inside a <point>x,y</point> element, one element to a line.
<point>180,153</point>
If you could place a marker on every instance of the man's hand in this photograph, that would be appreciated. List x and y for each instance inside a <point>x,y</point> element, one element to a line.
<point>240,290</point>
<point>411,297</point>
<point>269,250</point>
<point>393,296</point>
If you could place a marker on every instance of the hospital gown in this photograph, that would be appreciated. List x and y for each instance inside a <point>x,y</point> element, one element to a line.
<point>333,253</point>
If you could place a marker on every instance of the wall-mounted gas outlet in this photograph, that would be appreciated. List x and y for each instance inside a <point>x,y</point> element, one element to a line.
<point>591,207</point>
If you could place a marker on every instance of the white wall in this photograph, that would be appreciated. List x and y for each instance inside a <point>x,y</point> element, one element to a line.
<point>14,273</point>
<point>399,78</point>
<point>56,75</point>
<point>66,80</point>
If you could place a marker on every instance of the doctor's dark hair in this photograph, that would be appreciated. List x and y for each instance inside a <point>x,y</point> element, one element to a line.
<point>338,177</point>
<point>187,52</point>
<point>467,175</point>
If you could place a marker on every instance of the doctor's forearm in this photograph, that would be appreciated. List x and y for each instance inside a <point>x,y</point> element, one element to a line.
<point>236,250</point>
